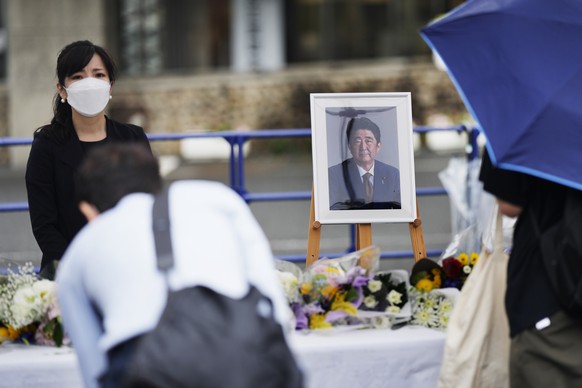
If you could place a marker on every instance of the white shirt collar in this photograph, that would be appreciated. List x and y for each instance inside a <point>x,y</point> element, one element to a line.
<point>362,171</point>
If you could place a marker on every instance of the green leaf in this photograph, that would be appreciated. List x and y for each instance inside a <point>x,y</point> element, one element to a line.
<point>351,295</point>
<point>58,334</point>
<point>49,327</point>
<point>418,276</point>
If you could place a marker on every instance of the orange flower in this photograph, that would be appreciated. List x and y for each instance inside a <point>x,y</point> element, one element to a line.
<point>329,291</point>
<point>424,285</point>
<point>437,281</point>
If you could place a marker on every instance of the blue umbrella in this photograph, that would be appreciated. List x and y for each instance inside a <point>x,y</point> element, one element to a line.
<point>517,65</point>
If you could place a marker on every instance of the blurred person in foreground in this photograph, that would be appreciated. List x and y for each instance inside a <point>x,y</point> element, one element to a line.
<point>362,182</point>
<point>109,287</point>
<point>85,77</point>
<point>546,342</point>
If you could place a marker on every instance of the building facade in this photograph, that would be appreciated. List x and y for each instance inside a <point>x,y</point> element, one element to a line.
<point>220,64</point>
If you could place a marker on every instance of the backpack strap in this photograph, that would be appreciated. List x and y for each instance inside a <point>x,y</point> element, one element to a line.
<point>161,229</point>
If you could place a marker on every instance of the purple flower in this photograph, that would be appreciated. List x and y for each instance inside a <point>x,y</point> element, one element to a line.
<point>301,320</point>
<point>360,281</point>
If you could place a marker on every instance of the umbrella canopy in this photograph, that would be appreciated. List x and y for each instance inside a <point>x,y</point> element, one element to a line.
<point>517,65</point>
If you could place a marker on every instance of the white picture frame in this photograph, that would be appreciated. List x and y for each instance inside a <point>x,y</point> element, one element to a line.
<point>330,116</point>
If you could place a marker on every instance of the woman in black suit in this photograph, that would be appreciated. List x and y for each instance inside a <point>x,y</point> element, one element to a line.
<point>86,74</point>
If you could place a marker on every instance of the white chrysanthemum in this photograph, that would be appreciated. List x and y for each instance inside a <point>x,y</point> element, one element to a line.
<point>446,306</point>
<point>424,317</point>
<point>467,269</point>
<point>370,302</point>
<point>374,285</point>
<point>394,297</point>
<point>429,302</point>
<point>443,321</point>
<point>393,309</point>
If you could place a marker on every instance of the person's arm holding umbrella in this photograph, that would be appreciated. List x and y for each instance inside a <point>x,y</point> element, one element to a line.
<point>508,187</point>
<point>509,209</point>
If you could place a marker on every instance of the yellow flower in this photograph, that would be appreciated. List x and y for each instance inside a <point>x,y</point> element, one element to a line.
<point>8,333</point>
<point>317,321</point>
<point>305,288</point>
<point>332,270</point>
<point>474,258</point>
<point>346,307</point>
<point>464,258</point>
<point>424,285</point>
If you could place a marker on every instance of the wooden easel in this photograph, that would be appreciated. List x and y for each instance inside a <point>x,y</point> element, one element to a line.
<point>363,236</point>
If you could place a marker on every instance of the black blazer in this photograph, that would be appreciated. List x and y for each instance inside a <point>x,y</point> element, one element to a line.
<point>50,175</point>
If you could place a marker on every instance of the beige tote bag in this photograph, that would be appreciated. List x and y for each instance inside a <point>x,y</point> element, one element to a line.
<point>476,351</point>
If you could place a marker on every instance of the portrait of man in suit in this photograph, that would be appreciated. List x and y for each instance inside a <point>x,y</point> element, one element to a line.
<point>361,181</point>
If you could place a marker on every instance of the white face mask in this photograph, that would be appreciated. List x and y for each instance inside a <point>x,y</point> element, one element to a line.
<point>89,96</point>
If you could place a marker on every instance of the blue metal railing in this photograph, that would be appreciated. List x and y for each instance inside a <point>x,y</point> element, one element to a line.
<point>237,139</point>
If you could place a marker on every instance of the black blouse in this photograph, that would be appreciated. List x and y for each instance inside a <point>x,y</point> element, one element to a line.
<point>50,175</point>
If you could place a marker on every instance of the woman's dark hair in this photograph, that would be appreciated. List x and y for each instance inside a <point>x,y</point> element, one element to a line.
<point>114,170</point>
<point>73,58</point>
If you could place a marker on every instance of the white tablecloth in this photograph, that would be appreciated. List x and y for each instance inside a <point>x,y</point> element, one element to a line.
<point>407,357</point>
<point>38,366</point>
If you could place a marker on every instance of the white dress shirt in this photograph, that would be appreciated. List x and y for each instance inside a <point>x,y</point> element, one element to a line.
<point>111,265</point>
<point>362,172</point>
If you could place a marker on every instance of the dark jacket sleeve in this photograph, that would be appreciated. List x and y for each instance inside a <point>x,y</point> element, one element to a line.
<point>42,200</point>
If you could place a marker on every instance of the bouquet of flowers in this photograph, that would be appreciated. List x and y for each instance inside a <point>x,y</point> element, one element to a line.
<point>431,304</point>
<point>457,269</point>
<point>329,297</point>
<point>29,311</point>
<point>433,309</point>
<point>427,275</point>
<point>382,293</point>
<point>330,291</point>
<point>386,300</point>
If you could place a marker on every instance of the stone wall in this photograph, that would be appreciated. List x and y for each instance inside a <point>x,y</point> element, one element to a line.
<point>277,100</point>
<point>221,101</point>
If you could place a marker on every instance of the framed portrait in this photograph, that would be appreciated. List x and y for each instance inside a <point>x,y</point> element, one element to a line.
<point>363,158</point>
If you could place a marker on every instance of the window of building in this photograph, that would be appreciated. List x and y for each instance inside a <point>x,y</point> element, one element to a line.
<point>186,36</point>
<point>332,30</point>
<point>172,36</point>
